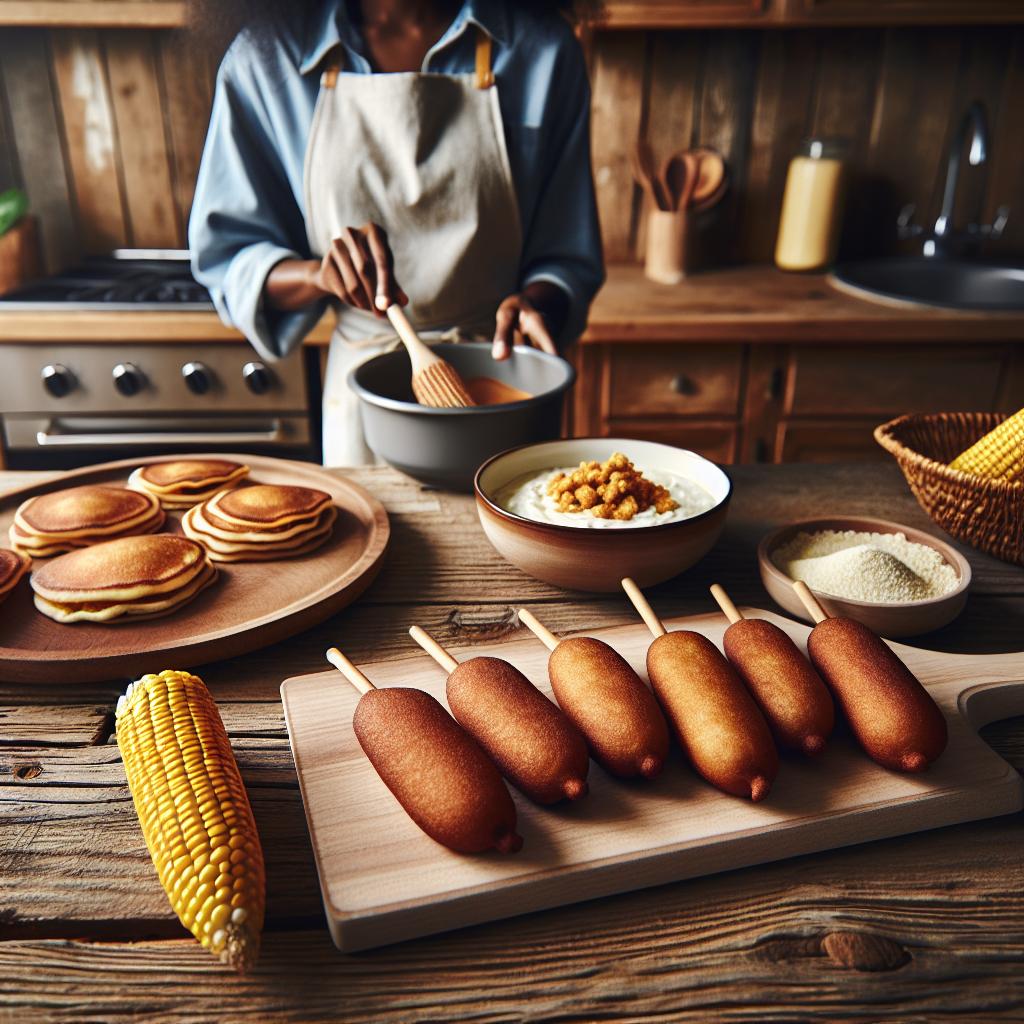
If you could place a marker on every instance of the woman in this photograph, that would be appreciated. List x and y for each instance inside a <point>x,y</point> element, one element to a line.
<point>433,153</point>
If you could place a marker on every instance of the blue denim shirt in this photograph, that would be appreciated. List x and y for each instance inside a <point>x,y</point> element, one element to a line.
<point>248,210</point>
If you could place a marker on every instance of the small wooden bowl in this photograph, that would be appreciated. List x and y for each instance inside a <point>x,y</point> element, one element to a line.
<point>887,618</point>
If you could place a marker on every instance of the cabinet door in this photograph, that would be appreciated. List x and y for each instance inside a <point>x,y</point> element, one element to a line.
<point>672,380</point>
<point>828,441</point>
<point>887,380</point>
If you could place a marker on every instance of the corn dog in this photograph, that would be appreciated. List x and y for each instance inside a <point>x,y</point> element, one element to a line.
<point>434,768</point>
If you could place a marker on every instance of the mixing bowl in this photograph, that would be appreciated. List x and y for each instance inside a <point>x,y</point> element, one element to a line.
<point>444,447</point>
<point>582,558</point>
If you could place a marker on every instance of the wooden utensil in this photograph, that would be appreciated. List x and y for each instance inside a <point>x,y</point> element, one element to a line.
<point>647,170</point>
<point>680,174</point>
<point>381,883</point>
<point>435,383</point>
<point>710,185</point>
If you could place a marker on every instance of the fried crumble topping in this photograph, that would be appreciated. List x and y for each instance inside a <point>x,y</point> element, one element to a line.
<point>614,489</point>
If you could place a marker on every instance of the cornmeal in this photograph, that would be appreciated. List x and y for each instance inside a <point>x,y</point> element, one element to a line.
<point>615,489</point>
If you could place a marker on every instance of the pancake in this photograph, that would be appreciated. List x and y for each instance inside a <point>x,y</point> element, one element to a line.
<point>126,569</point>
<point>75,517</point>
<point>12,567</point>
<point>207,523</point>
<point>268,505</point>
<point>90,509</point>
<point>189,474</point>
<point>39,547</point>
<point>108,611</point>
<point>186,482</point>
<point>220,550</point>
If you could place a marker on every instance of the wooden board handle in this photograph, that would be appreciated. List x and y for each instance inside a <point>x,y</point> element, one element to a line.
<point>433,648</point>
<point>732,613</point>
<point>349,671</point>
<point>539,630</point>
<point>810,602</point>
<point>641,604</point>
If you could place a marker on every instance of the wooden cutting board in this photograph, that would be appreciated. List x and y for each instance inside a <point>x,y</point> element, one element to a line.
<point>383,880</point>
<point>250,605</point>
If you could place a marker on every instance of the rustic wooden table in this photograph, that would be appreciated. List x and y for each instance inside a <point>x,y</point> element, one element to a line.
<point>926,927</point>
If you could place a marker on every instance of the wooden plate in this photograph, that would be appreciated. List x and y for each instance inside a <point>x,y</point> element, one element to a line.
<point>251,604</point>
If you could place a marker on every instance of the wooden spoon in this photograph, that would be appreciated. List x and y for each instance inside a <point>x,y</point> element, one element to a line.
<point>710,186</point>
<point>645,161</point>
<point>435,382</point>
<point>681,171</point>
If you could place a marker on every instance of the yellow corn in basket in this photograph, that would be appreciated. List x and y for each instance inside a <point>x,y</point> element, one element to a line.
<point>194,812</point>
<point>983,511</point>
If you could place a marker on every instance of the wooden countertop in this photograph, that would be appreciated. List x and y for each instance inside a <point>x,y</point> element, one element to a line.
<point>916,927</point>
<point>744,304</point>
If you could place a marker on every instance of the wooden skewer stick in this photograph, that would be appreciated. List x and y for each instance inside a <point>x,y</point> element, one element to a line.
<point>732,613</point>
<point>641,604</point>
<point>434,649</point>
<point>539,630</point>
<point>810,602</point>
<point>349,671</point>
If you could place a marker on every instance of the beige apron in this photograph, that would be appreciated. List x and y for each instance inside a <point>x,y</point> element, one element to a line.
<point>422,155</point>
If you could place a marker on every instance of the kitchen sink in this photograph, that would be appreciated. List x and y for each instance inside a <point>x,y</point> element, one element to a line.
<point>952,283</point>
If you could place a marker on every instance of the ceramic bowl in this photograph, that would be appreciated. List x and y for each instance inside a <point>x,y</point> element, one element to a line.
<point>581,558</point>
<point>444,447</point>
<point>889,619</point>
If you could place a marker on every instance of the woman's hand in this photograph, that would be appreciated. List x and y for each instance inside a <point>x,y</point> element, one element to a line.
<point>357,268</point>
<point>534,316</point>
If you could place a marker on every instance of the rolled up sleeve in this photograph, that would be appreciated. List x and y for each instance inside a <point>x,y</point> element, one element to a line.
<point>245,218</point>
<point>563,243</point>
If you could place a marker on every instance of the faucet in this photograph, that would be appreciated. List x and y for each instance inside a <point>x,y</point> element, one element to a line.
<point>943,240</point>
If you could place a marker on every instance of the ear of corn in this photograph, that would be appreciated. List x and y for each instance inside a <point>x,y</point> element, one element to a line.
<point>999,454</point>
<point>194,812</point>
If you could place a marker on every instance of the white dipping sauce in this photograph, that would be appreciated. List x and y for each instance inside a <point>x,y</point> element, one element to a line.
<point>527,496</point>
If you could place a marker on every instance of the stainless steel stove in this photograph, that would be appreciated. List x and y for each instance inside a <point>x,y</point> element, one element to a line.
<point>74,403</point>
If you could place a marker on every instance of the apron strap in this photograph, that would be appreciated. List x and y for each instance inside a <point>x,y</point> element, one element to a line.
<point>484,75</point>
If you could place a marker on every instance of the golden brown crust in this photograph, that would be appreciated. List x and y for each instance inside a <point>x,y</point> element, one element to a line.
<point>268,504</point>
<point>789,692</point>
<point>154,563</point>
<point>532,742</point>
<point>892,715</point>
<point>13,566</point>
<point>89,509</point>
<point>184,475</point>
<point>609,703</point>
<point>436,770</point>
<point>718,724</point>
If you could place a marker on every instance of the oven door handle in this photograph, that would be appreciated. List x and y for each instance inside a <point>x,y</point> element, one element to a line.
<point>55,439</point>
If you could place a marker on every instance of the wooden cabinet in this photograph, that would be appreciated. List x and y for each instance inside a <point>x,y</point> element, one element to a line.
<point>785,402</point>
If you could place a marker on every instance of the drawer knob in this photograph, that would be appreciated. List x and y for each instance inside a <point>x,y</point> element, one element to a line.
<point>683,385</point>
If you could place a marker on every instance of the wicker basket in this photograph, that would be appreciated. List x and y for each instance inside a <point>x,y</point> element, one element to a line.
<point>987,514</point>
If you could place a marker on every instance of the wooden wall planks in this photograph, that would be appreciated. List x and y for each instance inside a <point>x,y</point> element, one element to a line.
<point>896,94</point>
<point>108,126</point>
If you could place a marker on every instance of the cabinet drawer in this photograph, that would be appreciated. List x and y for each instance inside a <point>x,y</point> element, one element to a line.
<point>825,441</point>
<point>684,380</point>
<point>886,380</point>
<point>715,441</point>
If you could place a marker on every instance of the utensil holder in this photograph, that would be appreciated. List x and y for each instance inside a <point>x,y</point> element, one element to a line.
<point>667,256</point>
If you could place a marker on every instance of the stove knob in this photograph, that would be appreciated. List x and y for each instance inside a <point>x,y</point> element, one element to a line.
<point>57,379</point>
<point>128,379</point>
<point>257,376</point>
<point>198,377</point>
